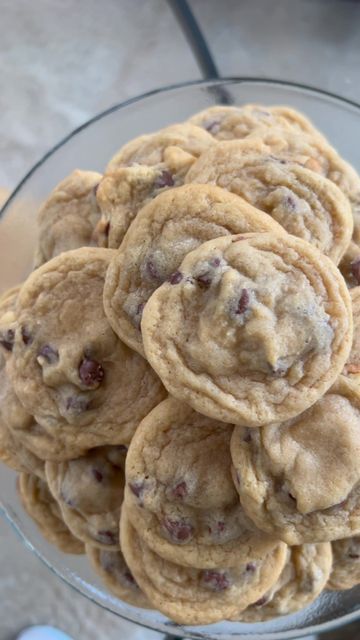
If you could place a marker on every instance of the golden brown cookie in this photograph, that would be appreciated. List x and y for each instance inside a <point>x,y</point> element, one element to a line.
<point>186,508</point>
<point>141,170</point>
<point>300,480</point>
<point>89,491</point>
<point>306,204</point>
<point>227,123</point>
<point>252,329</point>
<point>116,576</point>
<point>303,578</point>
<point>352,366</point>
<point>197,596</point>
<point>346,565</point>
<point>165,230</point>
<point>68,217</point>
<point>43,509</point>
<point>69,369</point>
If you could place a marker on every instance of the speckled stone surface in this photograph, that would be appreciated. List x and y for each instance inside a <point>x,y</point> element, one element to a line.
<point>63,61</point>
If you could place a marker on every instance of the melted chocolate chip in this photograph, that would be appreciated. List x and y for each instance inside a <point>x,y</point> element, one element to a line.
<point>137,488</point>
<point>129,578</point>
<point>215,262</point>
<point>250,567</point>
<point>151,270</point>
<point>261,602</point>
<point>204,280</point>
<point>179,530</point>
<point>49,354</point>
<point>91,372</point>
<point>180,490</point>
<point>353,556</point>
<point>164,180</point>
<point>26,336</point>
<point>243,302</point>
<point>290,203</point>
<point>7,340</point>
<point>97,475</point>
<point>215,580</point>
<point>175,277</point>
<point>355,269</point>
<point>106,537</point>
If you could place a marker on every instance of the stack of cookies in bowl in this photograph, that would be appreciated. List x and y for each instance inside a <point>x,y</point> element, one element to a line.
<point>180,373</point>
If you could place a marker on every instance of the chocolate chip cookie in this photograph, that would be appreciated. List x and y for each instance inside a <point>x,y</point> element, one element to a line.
<point>186,508</point>
<point>300,480</point>
<point>346,565</point>
<point>43,509</point>
<point>69,369</point>
<point>165,230</point>
<point>68,217</point>
<point>303,578</point>
<point>142,169</point>
<point>7,322</point>
<point>116,576</point>
<point>352,366</point>
<point>251,329</point>
<point>306,204</point>
<point>89,491</point>
<point>197,596</point>
<point>227,123</point>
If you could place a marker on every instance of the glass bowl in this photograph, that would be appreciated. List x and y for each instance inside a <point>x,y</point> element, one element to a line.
<point>90,147</point>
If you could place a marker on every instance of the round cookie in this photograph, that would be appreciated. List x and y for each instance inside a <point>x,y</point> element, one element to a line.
<point>197,596</point>
<point>84,387</point>
<point>68,217</point>
<point>164,231</point>
<point>352,366</point>
<point>42,508</point>
<point>303,578</point>
<point>228,123</point>
<point>187,509</point>
<point>116,575</point>
<point>346,564</point>
<point>7,322</point>
<point>306,204</point>
<point>141,170</point>
<point>89,491</point>
<point>252,329</point>
<point>300,480</point>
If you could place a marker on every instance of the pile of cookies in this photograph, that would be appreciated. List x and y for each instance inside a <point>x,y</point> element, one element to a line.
<point>180,374</point>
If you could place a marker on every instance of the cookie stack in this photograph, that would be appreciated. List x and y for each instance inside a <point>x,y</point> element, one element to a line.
<point>180,374</point>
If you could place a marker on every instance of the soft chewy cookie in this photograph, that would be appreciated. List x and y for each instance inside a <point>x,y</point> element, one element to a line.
<point>90,491</point>
<point>165,230</point>
<point>352,367</point>
<point>186,508</point>
<point>69,369</point>
<point>346,565</point>
<point>300,480</point>
<point>251,329</point>
<point>68,217</point>
<point>227,123</point>
<point>42,508</point>
<point>306,204</point>
<point>116,575</point>
<point>197,596</point>
<point>303,578</point>
<point>142,169</point>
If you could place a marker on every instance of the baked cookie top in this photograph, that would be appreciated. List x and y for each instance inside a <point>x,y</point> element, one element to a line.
<point>251,329</point>
<point>165,230</point>
<point>345,572</point>
<point>300,479</point>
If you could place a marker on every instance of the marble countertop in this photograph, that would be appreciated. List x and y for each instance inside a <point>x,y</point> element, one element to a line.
<point>61,62</point>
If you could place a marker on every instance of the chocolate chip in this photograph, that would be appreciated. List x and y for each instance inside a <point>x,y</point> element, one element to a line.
<point>204,280</point>
<point>106,537</point>
<point>137,488</point>
<point>355,269</point>
<point>164,180</point>
<point>250,567</point>
<point>290,203</point>
<point>179,530</point>
<point>77,404</point>
<point>49,354</point>
<point>247,438</point>
<point>215,262</point>
<point>91,372</point>
<point>129,578</point>
<point>220,526</point>
<point>212,126</point>
<point>26,335</point>
<point>151,270</point>
<point>7,340</point>
<point>261,602</point>
<point>97,475</point>
<point>215,580</point>
<point>180,490</point>
<point>243,302</point>
<point>353,556</point>
<point>175,277</point>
